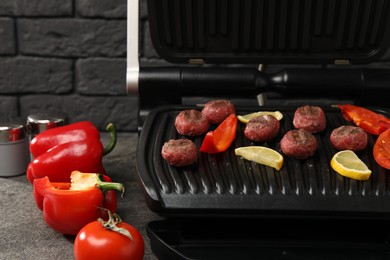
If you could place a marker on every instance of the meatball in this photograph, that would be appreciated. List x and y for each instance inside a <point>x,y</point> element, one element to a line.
<point>179,152</point>
<point>309,118</point>
<point>217,110</point>
<point>298,144</point>
<point>262,128</point>
<point>349,138</point>
<point>191,123</point>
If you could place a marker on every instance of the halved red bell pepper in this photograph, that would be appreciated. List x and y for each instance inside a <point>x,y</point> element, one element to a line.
<point>381,150</point>
<point>368,120</point>
<point>67,207</point>
<point>81,152</point>
<point>222,137</point>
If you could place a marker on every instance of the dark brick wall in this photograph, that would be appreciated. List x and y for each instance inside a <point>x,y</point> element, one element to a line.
<point>69,55</point>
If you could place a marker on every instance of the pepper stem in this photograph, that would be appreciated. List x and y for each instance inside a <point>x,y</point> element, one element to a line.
<point>111,224</point>
<point>111,128</point>
<point>106,186</point>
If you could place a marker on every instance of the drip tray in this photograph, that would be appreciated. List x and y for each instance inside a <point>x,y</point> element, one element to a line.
<point>227,185</point>
<point>302,239</point>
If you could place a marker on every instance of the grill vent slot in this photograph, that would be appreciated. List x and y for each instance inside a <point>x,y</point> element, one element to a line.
<point>268,28</point>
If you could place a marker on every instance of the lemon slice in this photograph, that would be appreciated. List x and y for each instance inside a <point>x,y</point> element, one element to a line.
<point>245,118</point>
<point>348,164</point>
<point>262,155</point>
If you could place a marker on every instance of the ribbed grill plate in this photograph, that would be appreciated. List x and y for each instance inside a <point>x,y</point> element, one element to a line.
<point>229,185</point>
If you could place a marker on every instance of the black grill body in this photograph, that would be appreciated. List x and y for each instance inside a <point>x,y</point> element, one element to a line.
<point>224,207</point>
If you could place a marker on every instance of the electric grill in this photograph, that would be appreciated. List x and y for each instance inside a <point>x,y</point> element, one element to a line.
<point>225,207</point>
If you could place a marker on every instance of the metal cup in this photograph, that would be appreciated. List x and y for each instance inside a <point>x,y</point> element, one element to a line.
<point>41,121</point>
<point>14,152</point>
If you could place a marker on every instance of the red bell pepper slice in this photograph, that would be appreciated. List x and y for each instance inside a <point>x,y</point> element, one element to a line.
<point>381,150</point>
<point>67,209</point>
<point>58,161</point>
<point>368,120</point>
<point>222,137</point>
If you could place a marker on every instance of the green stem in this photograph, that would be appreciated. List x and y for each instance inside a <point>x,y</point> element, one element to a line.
<point>113,137</point>
<point>106,186</point>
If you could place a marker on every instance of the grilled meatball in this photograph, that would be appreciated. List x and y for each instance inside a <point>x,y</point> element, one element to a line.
<point>298,144</point>
<point>179,152</point>
<point>262,128</point>
<point>217,110</point>
<point>309,118</point>
<point>349,138</point>
<point>191,123</point>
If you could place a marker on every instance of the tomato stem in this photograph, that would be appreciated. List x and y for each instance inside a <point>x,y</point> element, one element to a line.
<point>111,224</point>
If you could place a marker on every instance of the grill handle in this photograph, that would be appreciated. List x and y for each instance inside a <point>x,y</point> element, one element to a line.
<point>169,84</point>
<point>365,84</point>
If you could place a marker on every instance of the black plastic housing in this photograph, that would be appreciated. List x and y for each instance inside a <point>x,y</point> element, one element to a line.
<point>269,238</point>
<point>228,208</point>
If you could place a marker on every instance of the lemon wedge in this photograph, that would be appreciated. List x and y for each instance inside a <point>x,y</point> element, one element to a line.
<point>245,118</point>
<point>348,164</point>
<point>262,155</point>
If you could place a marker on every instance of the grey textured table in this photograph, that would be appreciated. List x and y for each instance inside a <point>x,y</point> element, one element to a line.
<point>24,233</point>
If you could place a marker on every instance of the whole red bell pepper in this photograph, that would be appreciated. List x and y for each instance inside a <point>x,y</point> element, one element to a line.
<point>59,151</point>
<point>78,131</point>
<point>368,120</point>
<point>222,137</point>
<point>67,207</point>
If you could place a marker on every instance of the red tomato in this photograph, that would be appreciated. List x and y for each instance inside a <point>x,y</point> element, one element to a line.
<point>381,149</point>
<point>96,242</point>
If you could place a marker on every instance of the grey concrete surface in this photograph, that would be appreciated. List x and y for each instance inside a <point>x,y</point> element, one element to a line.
<point>24,233</point>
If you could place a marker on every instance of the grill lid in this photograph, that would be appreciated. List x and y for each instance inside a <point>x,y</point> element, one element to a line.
<point>226,185</point>
<point>269,31</point>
